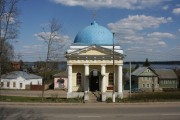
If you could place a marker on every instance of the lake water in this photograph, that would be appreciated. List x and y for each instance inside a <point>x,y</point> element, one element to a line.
<point>158,66</point>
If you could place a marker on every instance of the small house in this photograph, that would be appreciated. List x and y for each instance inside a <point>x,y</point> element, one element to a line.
<point>145,78</point>
<point>167,78</point>
<point>60,80</point>
<point>150,79</point>
<point>19,80</point>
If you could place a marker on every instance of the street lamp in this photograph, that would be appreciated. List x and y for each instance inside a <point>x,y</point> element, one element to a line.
<point>130,78</point>
<point>113,95</point>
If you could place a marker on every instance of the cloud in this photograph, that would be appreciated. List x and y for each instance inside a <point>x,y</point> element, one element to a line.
<point>122,4</point>
<point>33,47</point>
<point>30,52</point>
<point>137,23</point>
<point>176,11</point>
<point>133,33</point>
<point>58,38</point>
<point>59,44</point>
<point>165,7</point>
<point>12,19</point>
<point>160,35</point>
<point>161,43</point>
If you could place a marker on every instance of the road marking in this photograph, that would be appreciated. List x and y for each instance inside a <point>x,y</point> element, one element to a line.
<point>171,114</point>
<point>85,116</point>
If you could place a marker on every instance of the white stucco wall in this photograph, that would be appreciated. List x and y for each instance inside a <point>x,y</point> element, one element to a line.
<point>56,83</point>
<point>18,81</point>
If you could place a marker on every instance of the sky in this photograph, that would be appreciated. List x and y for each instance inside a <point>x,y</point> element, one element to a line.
<point>143,28</point>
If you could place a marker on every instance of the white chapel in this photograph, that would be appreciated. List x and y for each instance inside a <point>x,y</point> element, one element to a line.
<point>90,64</point>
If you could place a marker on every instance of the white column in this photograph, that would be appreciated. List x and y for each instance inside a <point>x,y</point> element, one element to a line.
<point>86,69</point>
<point>86,79</point>
<point>103,72</point>
<point>103,83</point>
<point>86,82</point>
<point>69,78</point>
<point>120,85</point>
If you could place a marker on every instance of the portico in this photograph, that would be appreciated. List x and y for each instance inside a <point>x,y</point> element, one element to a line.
<point>95,72</point>
<point>90,66</point>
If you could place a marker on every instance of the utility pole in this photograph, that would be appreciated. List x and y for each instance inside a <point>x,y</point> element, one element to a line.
<point>1,52</point>
<point>0,74</point>
<point>113,95</point>
<point>153,86</point>
<point>130,78</point>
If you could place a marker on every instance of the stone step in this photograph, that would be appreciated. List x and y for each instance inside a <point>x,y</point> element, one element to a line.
<point>93,97</point>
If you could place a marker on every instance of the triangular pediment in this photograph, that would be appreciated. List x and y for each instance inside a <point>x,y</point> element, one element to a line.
<point>93,50</point>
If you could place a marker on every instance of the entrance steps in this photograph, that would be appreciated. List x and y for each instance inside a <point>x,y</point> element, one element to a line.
<point>94,97</point>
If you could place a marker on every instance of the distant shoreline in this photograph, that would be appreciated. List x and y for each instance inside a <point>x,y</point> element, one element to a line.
<point>154,62</point>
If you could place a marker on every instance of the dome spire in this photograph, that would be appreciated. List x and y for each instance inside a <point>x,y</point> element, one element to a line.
<point>94,14</point>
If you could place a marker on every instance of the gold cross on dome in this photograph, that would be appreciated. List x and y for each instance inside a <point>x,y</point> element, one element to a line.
<point>94,15</point>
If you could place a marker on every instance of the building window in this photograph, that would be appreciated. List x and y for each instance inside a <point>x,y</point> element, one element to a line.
<point>170,82</point>
<point>78,79</point>
<point>2,84</point>
<point>173,82</point>
<point>20,85</point>
<point>152,86</point>
<point>111,79</point>
<point>95,73</point>
<point>61,83</point>
<point>164,81</point>
<point>14,84</point>
<point>147,85</point>
<point>8,84</point>
<point>143,85</point>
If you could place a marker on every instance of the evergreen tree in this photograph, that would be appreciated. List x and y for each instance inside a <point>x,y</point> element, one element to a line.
<point>137,66</point>
<point>146,63</point>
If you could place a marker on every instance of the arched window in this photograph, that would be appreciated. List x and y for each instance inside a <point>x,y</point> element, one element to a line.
<point>61,83</point>
<point>78,79</point>
<point>111,79</point>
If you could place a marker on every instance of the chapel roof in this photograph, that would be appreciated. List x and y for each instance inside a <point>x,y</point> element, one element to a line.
<point>94,34</point>
<point>16,74</point>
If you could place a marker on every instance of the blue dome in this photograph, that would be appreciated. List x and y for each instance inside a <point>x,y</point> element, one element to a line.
<point>94,34</point>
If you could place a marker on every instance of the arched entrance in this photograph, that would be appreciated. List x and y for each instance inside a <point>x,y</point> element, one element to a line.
<point>94,81</point>
<point>61,83</point>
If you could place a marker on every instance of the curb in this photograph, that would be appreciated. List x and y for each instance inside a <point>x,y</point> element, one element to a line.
<point>87,104</point>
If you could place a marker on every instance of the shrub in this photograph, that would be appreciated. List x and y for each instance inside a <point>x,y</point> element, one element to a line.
<point>152,97</point>
<point>109,100</point>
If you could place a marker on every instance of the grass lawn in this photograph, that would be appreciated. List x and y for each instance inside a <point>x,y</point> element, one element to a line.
<point>153,97</point>
<point>39,99</point>
<point>141,97</point>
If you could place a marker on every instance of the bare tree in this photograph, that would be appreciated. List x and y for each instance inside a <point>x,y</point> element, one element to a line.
<point>6,56</point>
<point>52,36</point>
<point>9,25</point>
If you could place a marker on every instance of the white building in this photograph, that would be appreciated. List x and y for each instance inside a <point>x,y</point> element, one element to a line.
<point>90,64</point>
<point>19,80</point>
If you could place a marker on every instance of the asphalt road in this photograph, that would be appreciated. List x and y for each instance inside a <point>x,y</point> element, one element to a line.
<point>150,111</point>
